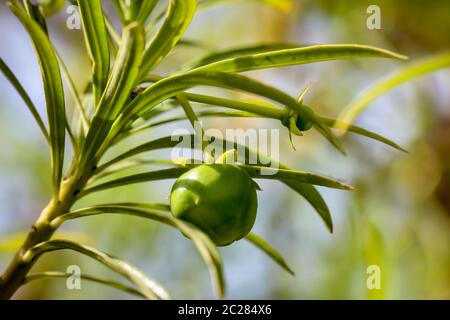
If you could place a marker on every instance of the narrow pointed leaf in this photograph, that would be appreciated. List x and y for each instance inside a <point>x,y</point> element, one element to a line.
<point>25,97</point>
<point>411,71</point>
<point>297,56</point>
<point>315,199</point>
<point>129,164</point>
<point>254,171</point>
<point>361,131</point>
<point>53,89</point>
<point>148,287</point>
<point>259,172</point>
<point>119,86</point>
<point>35,13</point>
<point>284,5</point>
<point>63,275</point>
<point>208,251</point>
<point>165,142</point>
<point>241,51</point>
<point>137,178</point>
<point>122,10</point>
<point>262,112</point>
<point>73,90</point>
<point>169,87</point>
<point>202,242</point>
<point>269,250</point>
<point>96,35</point>
<point>179,15</point>
<point>141,10</point>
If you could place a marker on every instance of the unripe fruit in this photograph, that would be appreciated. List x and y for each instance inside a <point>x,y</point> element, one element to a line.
<point>220,199</point>
<point>51,7</point>
<point>303,124</point>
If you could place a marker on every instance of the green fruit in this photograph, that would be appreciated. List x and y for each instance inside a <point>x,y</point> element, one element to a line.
<point>303,124</point>
<point>220,199</point>
<point>51,7</point>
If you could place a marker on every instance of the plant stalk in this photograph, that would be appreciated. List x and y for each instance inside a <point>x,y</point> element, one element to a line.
<point>14,275</point>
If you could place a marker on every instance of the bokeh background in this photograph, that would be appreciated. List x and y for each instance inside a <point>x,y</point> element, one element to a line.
<point>398,216</point>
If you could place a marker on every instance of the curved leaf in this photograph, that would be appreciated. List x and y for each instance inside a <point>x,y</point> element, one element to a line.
<point>269,250</point>
<point>165,142</point>
<point>149,288</point>
<point>297,56</point>
<point>141,10</point>
<point>260,172</point>
<point>96,35</point>
<point>240,51</point>
<point>137,178</point>
<point>411,71</point>
<point>254,171</point>
<point>169,87</point>
<point>25,97</point>
<point>57,274</point>
<point>241,105</point>
<point>284,5</point>
<point>53,89</point>
<point>363,132</point>
<point>119,86</point>
<point>73,90</point>
<point>179,15</point>
<point>202,242</point>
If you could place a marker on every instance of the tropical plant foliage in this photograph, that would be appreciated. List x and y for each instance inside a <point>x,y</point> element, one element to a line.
<point>123,98</point>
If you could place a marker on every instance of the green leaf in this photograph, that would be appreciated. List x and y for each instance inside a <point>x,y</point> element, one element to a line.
<point>96,35</point>
<point>119,86</point>
<point>141,10</point>
<point>202,242</point>
<point>314,198</point>
<point>209,253</point>
<point>268,111</point>
<point>263,111</point>
<point>254,171</point>
<point>200,114</point>
<point>57,274</point>
<point>269,250</point>
<point>122,10</point>
<point>192,117</point>
<point>260,172</point>
<point>129,164</point>
<point>160,91</point>
<point>25,97</point>
<point>297,56</point>
<point>137,178</point>
<point>284,5</point>
<point>148,287</point>
<point>179,16</point>
<point>35,13</point>
<point>361,131</point>
<point>165,142</point>
<point>240,51</point>
<point>73,90</point>
<point>53,88</point>
<point>169,87</point>
<point>411,71</point>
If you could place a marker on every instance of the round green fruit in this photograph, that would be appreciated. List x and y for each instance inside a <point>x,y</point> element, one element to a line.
<point>220,199</point>
<point>51,7</point>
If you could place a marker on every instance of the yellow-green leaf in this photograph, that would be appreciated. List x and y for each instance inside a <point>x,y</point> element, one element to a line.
<point>53,89</point>
<point>411,71</point>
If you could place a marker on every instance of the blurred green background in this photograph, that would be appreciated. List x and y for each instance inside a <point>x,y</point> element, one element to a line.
<point>398,216</point>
